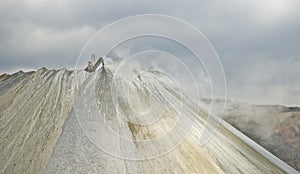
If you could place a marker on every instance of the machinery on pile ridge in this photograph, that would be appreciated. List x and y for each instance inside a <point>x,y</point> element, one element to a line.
<point>93,68</point>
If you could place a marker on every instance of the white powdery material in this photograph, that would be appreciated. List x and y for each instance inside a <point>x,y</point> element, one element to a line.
<point>33,108</point>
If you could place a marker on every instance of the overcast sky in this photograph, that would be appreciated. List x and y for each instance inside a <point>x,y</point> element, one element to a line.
<point>257,41</point>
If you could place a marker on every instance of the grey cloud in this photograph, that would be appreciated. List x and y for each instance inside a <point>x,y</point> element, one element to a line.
<point>257,41</point>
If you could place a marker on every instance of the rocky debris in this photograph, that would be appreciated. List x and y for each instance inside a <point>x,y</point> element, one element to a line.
<point>277,128</point>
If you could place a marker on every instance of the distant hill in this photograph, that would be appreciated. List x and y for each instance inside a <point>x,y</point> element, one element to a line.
<point>275,127</point>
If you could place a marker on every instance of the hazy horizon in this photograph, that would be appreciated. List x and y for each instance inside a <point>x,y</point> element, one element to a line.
<point>257,42</point>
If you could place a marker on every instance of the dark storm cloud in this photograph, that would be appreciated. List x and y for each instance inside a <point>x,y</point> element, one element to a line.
<point>257,41</point>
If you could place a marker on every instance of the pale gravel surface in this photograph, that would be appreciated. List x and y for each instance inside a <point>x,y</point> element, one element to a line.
<point>225,153</point>
<point>34,107</point>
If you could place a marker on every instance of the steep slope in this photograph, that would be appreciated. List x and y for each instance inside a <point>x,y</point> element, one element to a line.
<point>33,108</point>
<point>47,124</point>
<point>103,134</point>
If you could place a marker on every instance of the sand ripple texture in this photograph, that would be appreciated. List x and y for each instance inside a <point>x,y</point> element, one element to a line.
<point>40,133</point>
